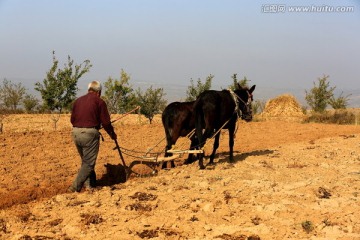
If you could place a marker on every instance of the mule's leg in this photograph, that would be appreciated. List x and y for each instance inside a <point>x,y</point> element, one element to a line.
<point>193,145</point>
<point>189,160</point>
<point>201,139</point>
<point>216,145</point>
<point>231,144</point>
<point>201,160</point>
<point>171,138</point>
<point>172,163</point>
<point>208,132</point>
<point>164,164</point>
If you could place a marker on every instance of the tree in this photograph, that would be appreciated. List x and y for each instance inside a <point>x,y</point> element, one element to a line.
<point>194,91</point>
<point>11,94</point>
<point>243,82</point>
<point>30,102</point>
<point>119,95</point>
<point>319,96</point>
<point>258,106</point>
<point>59,88</point>
<point>339,103</point>
<point>151,102</point>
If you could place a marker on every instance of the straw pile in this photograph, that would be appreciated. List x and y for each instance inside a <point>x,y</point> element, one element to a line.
<point>283,107</point>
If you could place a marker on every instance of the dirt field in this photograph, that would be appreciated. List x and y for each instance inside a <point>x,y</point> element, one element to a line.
<point>289,181</point>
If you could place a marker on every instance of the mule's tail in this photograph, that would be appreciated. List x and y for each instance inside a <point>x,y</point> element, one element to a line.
<point>167,123</point>
<point>199,124</point>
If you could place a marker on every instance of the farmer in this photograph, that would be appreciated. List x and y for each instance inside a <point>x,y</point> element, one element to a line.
<point>88,113</point>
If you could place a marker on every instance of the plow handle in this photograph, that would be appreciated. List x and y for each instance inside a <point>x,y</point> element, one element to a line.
<point>119,150</point>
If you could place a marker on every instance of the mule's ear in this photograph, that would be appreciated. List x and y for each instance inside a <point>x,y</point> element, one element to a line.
<point>252,88</point>
<point>238,86</point>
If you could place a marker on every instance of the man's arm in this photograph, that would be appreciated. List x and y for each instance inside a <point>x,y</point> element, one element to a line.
<point>105,120</point>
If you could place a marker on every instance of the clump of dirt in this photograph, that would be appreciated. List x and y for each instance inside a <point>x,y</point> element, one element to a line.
<point>88,219</point>
<point>283,107</point>
<point>143,196</point>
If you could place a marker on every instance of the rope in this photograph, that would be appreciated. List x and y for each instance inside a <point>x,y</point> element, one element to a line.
<point>235,97</point>
<point>137,156</point>
<point>141,154</point>
<point>236,126</point>
<point>125,114</point>
<point>238,111</point>
<point>190,134</point>
<point>154,146</point>
<point>206,142</point>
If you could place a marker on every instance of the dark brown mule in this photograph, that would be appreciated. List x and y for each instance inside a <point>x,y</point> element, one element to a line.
<point>178,121</point>
<point>220,109</point>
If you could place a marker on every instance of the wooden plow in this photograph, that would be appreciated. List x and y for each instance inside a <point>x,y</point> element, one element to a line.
<point>154,161</point>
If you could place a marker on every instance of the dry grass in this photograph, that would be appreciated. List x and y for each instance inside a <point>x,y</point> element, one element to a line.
<point>284,107</point>
<point>343,116</point>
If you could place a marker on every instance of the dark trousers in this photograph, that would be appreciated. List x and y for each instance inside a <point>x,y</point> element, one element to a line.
<point>87,141</point>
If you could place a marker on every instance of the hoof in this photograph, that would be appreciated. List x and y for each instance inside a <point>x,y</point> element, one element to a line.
<point>188,162</point>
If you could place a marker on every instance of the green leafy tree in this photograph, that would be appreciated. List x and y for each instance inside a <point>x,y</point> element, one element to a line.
<point>340,102</point>
<point>319,96</point>
<point>193,91</point>
<point>30,102</point>
<point>243,82</point>
<point>11,94</point>
<point>119,95</point>
<point>58,90</point>
<point>151,102</point>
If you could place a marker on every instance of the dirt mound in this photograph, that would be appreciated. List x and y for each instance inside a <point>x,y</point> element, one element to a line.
<point>283,107</point>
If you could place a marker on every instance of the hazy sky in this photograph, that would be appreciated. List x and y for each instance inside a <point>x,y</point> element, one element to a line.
<point>171,41</point>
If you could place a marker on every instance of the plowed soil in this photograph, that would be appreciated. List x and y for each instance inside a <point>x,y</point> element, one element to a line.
<point>289,181</point>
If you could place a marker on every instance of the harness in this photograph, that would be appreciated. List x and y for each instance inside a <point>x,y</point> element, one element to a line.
<point>236,98</point>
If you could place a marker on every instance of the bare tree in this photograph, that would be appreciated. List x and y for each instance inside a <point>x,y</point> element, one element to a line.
<point>11,94</point>
<point>30,102</point>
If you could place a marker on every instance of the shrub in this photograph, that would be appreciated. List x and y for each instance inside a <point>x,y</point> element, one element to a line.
<point>336,117</point>
<point>318,97</point>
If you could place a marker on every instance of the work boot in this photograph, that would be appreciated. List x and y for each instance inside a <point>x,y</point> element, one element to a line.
<point>88,187</point>
<point>71,189</point>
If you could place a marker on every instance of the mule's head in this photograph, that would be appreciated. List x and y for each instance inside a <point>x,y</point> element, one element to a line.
<point>245,98</point>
